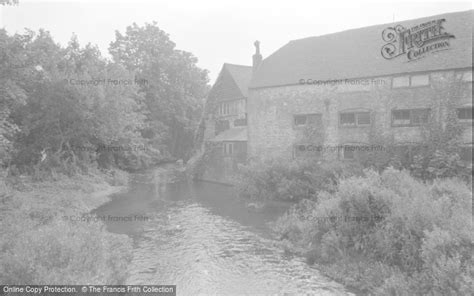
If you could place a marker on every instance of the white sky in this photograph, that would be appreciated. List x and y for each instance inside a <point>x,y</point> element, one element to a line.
<point>216,32</point>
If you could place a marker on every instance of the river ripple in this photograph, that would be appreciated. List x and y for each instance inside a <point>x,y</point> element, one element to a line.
<point>203,239</point>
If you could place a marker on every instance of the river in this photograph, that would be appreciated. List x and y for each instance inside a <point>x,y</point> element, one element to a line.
<point>202,238</point>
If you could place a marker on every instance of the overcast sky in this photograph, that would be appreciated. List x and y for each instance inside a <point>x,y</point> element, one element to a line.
<point>216,32</point>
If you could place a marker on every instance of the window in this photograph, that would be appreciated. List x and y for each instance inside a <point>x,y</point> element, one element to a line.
<point>412,117</point>
<point>401,117</point>
<point>401,81</point>
<point>305,119</point>
<point>228,148</point>
<point>300,119</point>
<point>241,121</point>
<point>354,119</point>
<point>348,152</point>
<point>222,125</point>
<point>348,119</point>
<point>224,109</point>
<point>420,80</point>
<point>363,118</point>
<point>465,114</point>
<point>466,154</point>
<point>411,81</point>
<point>418,117</point>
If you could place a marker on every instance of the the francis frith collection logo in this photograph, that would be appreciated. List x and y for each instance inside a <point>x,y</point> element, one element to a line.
<point>415,42</point>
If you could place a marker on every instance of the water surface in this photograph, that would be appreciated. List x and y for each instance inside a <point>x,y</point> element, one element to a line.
<point>202,238</point>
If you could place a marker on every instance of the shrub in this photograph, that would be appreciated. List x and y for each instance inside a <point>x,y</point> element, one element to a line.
<point>291,180</point>
<point>421,229</point>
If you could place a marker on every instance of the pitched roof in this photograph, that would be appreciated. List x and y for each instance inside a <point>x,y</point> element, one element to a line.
<point>232,83</point>
<point>357,53</point>
<point>233,134</point>
<point>242,76</point>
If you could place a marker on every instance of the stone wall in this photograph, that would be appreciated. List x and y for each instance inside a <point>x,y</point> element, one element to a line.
<point>271,129</point>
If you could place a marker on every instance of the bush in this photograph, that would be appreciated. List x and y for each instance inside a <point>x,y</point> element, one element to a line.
<point>421,229</point>
<point>291,180</point>
<point>440,164</point>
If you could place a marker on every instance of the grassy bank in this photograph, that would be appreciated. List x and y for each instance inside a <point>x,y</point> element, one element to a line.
<point>42,241</point>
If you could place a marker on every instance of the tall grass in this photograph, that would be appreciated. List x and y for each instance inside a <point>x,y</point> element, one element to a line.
<point>39,244</point>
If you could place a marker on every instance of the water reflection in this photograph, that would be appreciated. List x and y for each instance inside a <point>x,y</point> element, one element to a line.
<point>204,239</point>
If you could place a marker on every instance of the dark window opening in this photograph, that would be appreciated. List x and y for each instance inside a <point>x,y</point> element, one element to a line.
<point>363,118</point>
<point>419,117</point>
<point>222,125</point>
<point>465,113</point>
<point>300,119</point>
<point>228,148</point>
<point>354,119</point>
<point>412,117</point>
<point>305,119</point>
<point>348,152</point>
<point>466,154</point>
<point>348,119</point>
<point>241,121</point>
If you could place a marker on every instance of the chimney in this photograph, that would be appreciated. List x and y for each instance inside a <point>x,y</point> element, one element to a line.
<point>257,57</point>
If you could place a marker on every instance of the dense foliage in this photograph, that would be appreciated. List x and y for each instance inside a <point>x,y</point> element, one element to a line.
<point>282,179</point>
<point>174,87</point>
<point>436,154</point>
<point>70,105</point>
<point>414,238</point>
<point>8,2</point>
<point>68,114</point>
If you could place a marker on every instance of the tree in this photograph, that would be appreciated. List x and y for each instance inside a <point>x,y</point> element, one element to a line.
<point>175,87</point>
<point>61,114</point>
<point>441,136</point>
<point>14,71</point>
<point>8,2</point>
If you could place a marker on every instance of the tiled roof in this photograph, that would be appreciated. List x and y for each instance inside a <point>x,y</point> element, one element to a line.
<point>242,76</point>
<point>232,83</point>
<point>357,53</point>
<point>234,134</point>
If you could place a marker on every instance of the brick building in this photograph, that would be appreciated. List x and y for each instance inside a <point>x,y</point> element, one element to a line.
<point>389,78</point>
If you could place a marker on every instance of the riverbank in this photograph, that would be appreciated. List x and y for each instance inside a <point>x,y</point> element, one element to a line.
<point>387,234</point>
<point>43,239</point>
<point>358,275</point>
